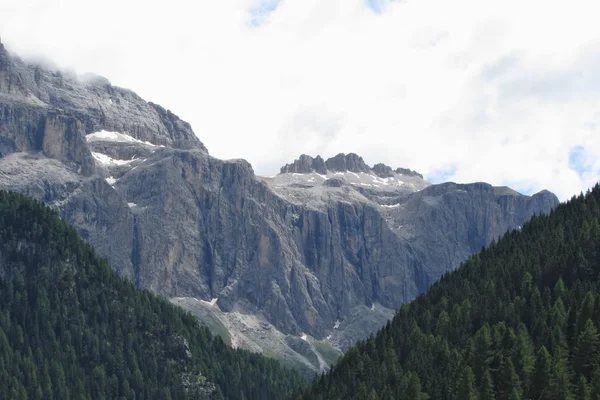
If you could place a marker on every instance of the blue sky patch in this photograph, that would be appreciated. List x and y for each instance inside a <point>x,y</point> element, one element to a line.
<point>378,5</point>
<point>442,175</point>
<point>375,5</point>
<point>579,161</point>
<point>261,10</point>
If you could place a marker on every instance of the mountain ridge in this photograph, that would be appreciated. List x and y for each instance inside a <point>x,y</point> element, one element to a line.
<point>350,162</point>
<point>326,256</point>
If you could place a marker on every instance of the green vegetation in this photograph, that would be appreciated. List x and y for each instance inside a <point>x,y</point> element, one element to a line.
<point>70,328</point>
<point>329,353</point>
<point>518,321</point>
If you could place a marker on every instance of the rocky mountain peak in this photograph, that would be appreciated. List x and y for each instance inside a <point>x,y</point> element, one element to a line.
<point>91,100</point>
<point>305,164</point>
<point>350,162</point>
<point>347,163</point>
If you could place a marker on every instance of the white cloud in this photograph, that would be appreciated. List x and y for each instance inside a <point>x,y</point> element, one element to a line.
<point>486,91</point>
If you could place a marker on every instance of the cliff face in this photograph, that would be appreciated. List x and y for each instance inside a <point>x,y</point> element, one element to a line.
<point>327,249</point>
<point>30,93</point>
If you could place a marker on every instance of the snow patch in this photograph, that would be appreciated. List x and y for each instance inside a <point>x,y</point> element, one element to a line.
<point>210,303</point>
<point>110,180</point>
<point>373,307</point>
<point>324,177</point>
<point>131,205</point>
<point>107,160</point>
<point>328,337</point>
<point>115,137</point>
<point>391,206</point>
<point>337,324</point>
<point>304,337</point>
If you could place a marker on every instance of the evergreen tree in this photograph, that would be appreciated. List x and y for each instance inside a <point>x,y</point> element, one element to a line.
<point>586,349</point>
<point>515,394</point>
<point>487,387</point>
<point>541,375</point>
<point>466,386</point>
<point>508,381</point>
<point>522,354</point>
<point>412,387</point>
<point>560,382</point>
<point>483,355</point>
<point>595,385</point>
<point>586,312</point>
<point>583,389</point>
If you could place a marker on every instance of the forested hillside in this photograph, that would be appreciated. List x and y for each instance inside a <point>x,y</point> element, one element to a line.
<point>518,321</point>
<point>70,328</point>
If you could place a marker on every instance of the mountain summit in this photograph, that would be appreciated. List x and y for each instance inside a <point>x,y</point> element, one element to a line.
<point>342,163</point>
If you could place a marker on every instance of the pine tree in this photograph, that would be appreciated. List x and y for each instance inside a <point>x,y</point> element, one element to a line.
<point>541,375</point>
<point>516,394</point>
<point>560,289</point>
<point>466,385</point>
<point>487,386</point>
<point>508,381</point>
<point>482,355</point>
<point>560,382</point>
<point>522,353</point>
<point>583,389</point>
<point>586,349</point>
<point>595,385</point>
<point>586,312</point>
<point>412,386</point>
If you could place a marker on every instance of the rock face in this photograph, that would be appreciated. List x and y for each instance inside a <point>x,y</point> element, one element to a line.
<point>342,163</point>
<point>325,251</point>
<point>30,93</point>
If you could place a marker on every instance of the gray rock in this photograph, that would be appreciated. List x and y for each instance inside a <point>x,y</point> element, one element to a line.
<point>343,163</point>
<point>305,164</point>
<point>94,103</point>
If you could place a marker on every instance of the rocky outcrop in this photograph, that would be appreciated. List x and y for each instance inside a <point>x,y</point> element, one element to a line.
<point>385,171</point>
<point>305,164</point>
<point>342,163</point>
<point>326,249</point>
<point>90,100</point>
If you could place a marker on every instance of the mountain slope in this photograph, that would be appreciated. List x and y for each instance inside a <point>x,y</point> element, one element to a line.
<point>265,262</point>
<point>518,320</point>
<point>71,328</point>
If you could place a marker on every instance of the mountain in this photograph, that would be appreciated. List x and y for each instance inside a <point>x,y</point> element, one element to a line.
<point>71,328</point>
<point>297,266</point>
<point>519,320</point>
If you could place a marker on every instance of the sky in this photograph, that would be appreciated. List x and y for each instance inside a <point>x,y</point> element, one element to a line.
<point>506,92</point>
